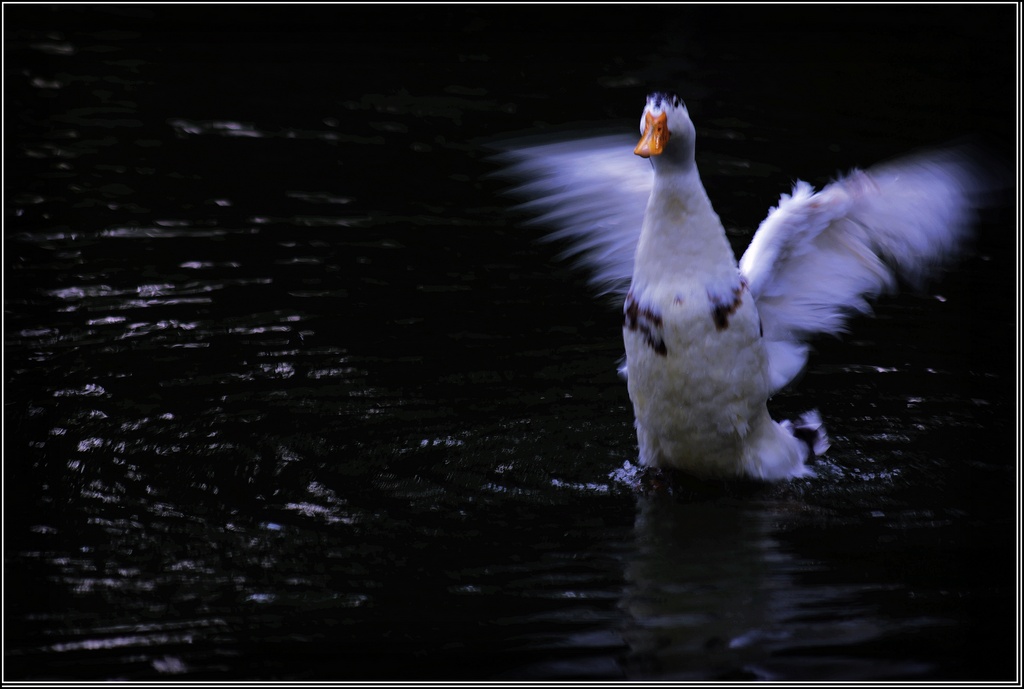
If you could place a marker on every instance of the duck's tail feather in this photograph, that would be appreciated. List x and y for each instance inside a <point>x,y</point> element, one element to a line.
<point>810,429</point>
<point>779,450</point>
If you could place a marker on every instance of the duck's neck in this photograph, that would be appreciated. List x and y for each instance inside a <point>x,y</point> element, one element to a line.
<point>682,237</point>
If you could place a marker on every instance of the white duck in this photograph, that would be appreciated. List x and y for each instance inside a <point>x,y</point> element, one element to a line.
<point>709,341</point>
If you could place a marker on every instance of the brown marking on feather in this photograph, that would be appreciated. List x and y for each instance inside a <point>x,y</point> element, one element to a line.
<point>721,310</point>
<point>646,321</point>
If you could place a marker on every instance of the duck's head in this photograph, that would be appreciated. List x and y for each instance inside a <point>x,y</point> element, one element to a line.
<point>666,129</point>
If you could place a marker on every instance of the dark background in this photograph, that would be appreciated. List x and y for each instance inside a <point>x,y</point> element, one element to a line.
<point>291,391</point>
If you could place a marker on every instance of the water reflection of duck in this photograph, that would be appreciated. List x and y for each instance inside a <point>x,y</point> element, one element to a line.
<point>708,340</point>
<point>701,581</point>
<point>717,590</point>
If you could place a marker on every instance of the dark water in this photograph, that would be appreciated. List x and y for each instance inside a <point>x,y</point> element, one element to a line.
<point>291,393</point>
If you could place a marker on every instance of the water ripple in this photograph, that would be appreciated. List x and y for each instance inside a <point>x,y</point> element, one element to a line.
<point>233,129</point>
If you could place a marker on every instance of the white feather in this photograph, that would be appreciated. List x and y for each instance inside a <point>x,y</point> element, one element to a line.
<point>819,257</point>
<point>594,192</point>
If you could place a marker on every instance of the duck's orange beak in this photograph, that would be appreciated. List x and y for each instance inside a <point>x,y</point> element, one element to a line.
<point>655,136</point>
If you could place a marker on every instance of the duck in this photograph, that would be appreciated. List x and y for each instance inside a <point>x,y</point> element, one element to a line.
<point>709,339</point>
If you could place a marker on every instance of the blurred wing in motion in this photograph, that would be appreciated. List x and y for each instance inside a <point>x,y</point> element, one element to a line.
<point>594,191</point>
<point>818,256</point>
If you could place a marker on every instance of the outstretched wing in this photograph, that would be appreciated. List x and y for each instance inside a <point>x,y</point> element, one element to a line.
<point>594,191</point>
<point>819,256</point>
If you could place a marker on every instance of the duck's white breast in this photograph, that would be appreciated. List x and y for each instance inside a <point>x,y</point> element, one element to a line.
<point>696,374</point>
